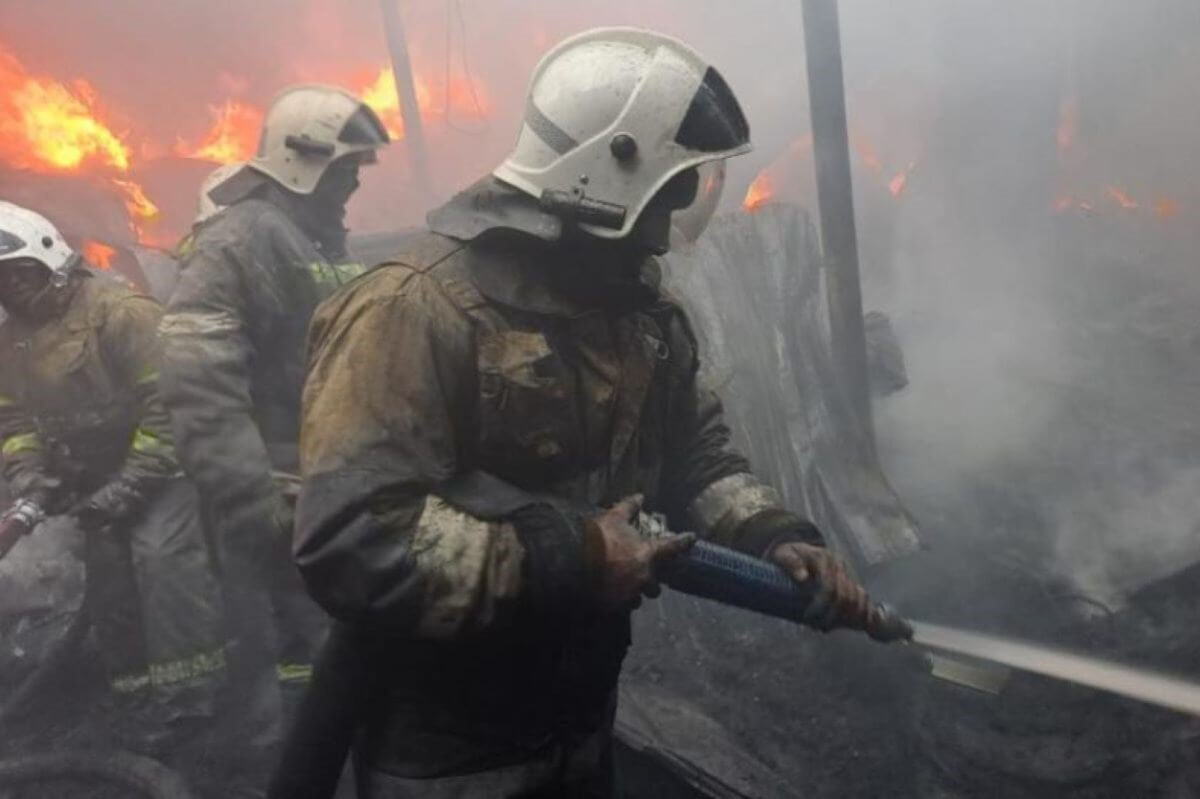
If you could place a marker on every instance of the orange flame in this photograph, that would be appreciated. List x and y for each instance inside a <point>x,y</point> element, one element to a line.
<point>136,201</point>
<point>232,137</point>
<point>380,94</point>
<point>98,254</point>
<point>462,98</point>
<point>1123,199</point>
<point>48,127</point>
<point>760,192</point>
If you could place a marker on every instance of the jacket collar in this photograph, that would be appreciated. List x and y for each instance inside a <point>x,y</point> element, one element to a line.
<point>491,205</point>
<point>531,276</point>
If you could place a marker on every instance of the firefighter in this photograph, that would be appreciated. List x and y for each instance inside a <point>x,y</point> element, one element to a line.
<point>234,362</point>
<point>523,347</point>
<point>84,433</point>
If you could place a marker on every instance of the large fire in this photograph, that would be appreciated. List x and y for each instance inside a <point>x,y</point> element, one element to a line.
<point>236,125</point>
<point>47,126</point>
<point>55,127</point>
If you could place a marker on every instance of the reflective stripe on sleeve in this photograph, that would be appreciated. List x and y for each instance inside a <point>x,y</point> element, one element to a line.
<point>147,443</point>
<point>148,375</point>
<point>194,323</point>
<point>25,442</point>
<point>293,672</point>
<point>193,669</point>
<point>130,683</point>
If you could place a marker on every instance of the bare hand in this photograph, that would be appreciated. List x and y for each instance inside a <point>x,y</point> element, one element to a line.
<point>627,561</point>
<point>842,602</point>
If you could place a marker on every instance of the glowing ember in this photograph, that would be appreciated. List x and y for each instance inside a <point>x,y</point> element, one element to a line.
<point>233,136</point>
<point>98,254</point>
<point>1068,124</point>
<point>49,127</point>
<point>1063,203</point>
<point>760,192</point>
<point>866,154</point>
<point>1166,208</point>
<point>900,180</point>
<point>1123,199</point>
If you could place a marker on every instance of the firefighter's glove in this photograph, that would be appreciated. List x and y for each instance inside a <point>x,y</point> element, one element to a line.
<point>840,600</point>
<point>114,502</point>
<point>623,562</point>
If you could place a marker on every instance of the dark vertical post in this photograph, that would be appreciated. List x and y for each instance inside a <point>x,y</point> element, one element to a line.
<point>414,134</point>
<point>831,149</point>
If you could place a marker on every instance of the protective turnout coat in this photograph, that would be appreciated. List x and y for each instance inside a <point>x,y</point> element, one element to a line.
<point>234,337</point>
<point>461,358</point>
<point>79,396</point>
<point>79,408</point>
<point>233,370</point>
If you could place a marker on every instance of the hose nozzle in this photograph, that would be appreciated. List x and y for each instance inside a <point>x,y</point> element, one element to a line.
<point>887,626</point>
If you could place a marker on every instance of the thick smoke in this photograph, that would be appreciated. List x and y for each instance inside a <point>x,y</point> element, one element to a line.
<point>1052,353</point>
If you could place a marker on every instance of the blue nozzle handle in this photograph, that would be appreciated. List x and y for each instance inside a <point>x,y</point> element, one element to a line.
<point>734,578</point>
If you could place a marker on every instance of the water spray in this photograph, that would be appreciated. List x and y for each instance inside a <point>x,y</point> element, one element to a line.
<point>1145,685</point>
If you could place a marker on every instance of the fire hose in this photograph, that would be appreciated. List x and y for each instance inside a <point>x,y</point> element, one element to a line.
<point>17,522</point>
<point>139,776</point>
<point>342,683</point>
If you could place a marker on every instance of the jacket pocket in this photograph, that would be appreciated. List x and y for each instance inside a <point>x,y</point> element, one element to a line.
<point>524,400</point>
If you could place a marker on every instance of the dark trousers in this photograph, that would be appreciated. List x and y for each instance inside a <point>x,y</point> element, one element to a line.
<point>275,631</point>
<point>155,606</point>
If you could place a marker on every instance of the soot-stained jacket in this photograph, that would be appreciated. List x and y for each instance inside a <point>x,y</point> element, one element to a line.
<point>461,358</point>
<point>233,368</point>
<point>79,401</point>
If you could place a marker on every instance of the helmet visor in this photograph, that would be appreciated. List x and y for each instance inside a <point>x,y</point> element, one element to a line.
<point>689,222</point>
<point>714,121</point>
<point>10,243</point>
<point>364,128</point>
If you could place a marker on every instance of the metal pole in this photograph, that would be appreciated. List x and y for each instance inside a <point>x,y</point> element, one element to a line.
<point>831,149</point>
<point>414,134</point>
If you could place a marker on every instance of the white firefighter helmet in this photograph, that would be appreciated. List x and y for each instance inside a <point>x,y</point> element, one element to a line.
<point>206,206</point>
<point>310,126</point>
<point>612,115</point>
<point>26,234</point>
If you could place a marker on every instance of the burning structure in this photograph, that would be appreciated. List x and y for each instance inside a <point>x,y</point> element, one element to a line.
<point>1025,207</point>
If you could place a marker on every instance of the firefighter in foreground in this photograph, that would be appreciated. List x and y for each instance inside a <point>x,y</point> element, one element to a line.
<point>234,337</point>
<point>523,347</point>
<point>84,433</point>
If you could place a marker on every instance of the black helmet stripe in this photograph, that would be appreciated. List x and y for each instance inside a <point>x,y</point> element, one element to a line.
<point>555,137</point>
<point>714,121</point>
